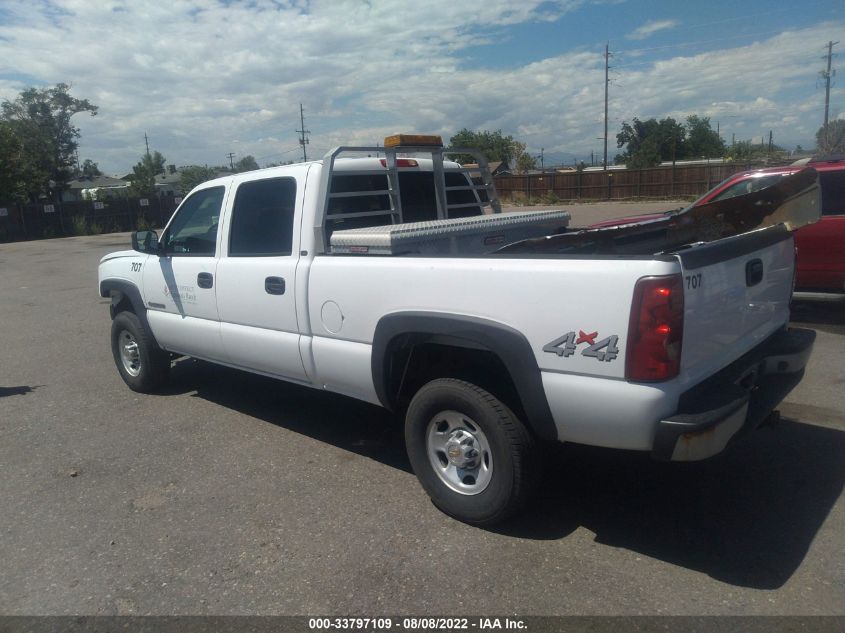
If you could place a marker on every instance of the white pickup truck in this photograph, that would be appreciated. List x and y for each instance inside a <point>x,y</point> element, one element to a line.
<point>397,281</point>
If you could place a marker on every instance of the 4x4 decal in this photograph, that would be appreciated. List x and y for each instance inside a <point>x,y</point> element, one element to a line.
<point>603,350</point>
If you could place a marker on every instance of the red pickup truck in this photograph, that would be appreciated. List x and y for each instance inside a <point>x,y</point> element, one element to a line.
<point>821,246</point>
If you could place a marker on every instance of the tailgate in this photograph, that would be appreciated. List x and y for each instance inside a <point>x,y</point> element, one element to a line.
<point>736,293</point>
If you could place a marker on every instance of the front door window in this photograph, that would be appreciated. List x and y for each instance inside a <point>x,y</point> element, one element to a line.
<point>194,229</point>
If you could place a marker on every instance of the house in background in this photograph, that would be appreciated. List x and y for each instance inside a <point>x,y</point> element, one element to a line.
<point>88,187</point>
<point>167,184</point>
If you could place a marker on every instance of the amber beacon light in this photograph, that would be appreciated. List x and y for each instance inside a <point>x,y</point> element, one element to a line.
<point>413,140</point>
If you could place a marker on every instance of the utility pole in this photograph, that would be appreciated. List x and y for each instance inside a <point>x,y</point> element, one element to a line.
<point>303,139</point>
<point>231,155</point>
<point>606,87</point>
<point>770,142</point>
<point>542,160</point>
<point>826,75</point>
<point>147,143</point>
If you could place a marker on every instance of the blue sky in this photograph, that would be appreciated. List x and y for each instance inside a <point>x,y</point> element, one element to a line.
<point>204,78</point>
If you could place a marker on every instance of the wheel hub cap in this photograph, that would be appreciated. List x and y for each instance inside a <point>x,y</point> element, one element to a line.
<point>459,452</point>
<point>462,449</point>
<point>130,356</point>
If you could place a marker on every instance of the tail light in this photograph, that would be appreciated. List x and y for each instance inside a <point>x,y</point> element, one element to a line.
<point>401,162</point>
<point>656,329</point>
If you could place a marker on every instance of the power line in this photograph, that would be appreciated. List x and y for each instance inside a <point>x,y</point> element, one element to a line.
<point>688,44</point>
<point>287,151</point>
<point>303,139</point>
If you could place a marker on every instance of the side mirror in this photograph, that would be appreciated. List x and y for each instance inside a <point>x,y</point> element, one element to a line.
<point>145,242</point>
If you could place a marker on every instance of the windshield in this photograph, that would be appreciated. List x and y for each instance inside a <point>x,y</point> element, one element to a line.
<point>749,185</point>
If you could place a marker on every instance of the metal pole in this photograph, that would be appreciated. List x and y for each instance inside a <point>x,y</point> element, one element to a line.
<point>303,139</point>
<point>606,83</point>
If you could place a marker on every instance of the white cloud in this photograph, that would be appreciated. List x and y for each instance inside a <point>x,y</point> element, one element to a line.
<point>650,28</point>
<point>203,78</point>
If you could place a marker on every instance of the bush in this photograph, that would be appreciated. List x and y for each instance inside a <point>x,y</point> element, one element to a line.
<point>552,198</point>
<point>142,223</point>
<point>517,198</point>
<point>78,225</point>
<point>96,228</point>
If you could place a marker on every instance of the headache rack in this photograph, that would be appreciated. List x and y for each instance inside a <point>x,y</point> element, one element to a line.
<point>392,214</point>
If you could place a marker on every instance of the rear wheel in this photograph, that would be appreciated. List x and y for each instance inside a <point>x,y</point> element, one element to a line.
<point>472,455</point>
<point>141,363</point>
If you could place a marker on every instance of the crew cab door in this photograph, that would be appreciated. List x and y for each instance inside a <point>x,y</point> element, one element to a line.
<point>180,285</point>
<point>821,246</point>
<point>256,274</point>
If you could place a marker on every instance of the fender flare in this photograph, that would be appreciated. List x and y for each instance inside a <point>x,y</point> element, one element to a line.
<point>508,344</point>
<point>128,290</point>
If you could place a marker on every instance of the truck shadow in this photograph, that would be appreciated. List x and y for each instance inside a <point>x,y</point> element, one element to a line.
<point>349,424</point>
<point>746,518</point>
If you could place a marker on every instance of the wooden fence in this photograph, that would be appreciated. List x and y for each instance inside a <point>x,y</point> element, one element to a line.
<point>38,221</point>
<point>687,181</point>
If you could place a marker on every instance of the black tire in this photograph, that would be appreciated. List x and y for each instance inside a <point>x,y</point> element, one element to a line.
<point>511,449</point>
<point>153,363</point>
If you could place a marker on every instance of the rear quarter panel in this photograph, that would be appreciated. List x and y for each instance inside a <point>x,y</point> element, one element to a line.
<point>542,298</point>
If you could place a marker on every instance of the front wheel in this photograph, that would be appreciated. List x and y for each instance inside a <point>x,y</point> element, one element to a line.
<point>142,364</point>
<point>472,455</point>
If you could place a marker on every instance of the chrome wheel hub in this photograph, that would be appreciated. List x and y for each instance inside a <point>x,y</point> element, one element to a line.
<point>459,452</point>
<point>130,356</point>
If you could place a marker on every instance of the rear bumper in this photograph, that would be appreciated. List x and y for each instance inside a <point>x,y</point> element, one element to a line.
<point>736,400</point>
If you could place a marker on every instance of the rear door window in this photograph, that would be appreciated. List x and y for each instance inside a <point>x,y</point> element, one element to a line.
<point>833,192</point>
<point>262,218</point>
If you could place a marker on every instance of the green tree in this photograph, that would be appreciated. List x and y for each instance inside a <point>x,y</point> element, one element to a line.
<point>702,140</point>
<point>194,175</point>
<point>647,155</point>
<point>750,151</point>
<point>494,145</point>
<point>143,179</point>
<point>247,163</point>
<point>40,118</point>
<point>526,162</point>
<point>831,139</point>
<point>90,169</point>
<point>649,142</point>
<point>13,178</point>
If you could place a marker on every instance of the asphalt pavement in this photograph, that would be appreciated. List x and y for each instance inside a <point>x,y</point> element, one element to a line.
<point>230,493</point>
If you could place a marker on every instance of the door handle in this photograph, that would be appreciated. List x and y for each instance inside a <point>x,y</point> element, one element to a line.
<point>753,272</point>
<point>205,280</point>
<point>274,285</point>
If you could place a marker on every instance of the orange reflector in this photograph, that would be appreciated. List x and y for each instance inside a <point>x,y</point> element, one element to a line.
<point>406,140</point>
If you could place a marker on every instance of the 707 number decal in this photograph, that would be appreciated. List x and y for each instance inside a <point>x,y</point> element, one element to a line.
<point>603,350</point>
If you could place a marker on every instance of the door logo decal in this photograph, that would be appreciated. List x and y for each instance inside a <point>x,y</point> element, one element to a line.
<point>186,294</point>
